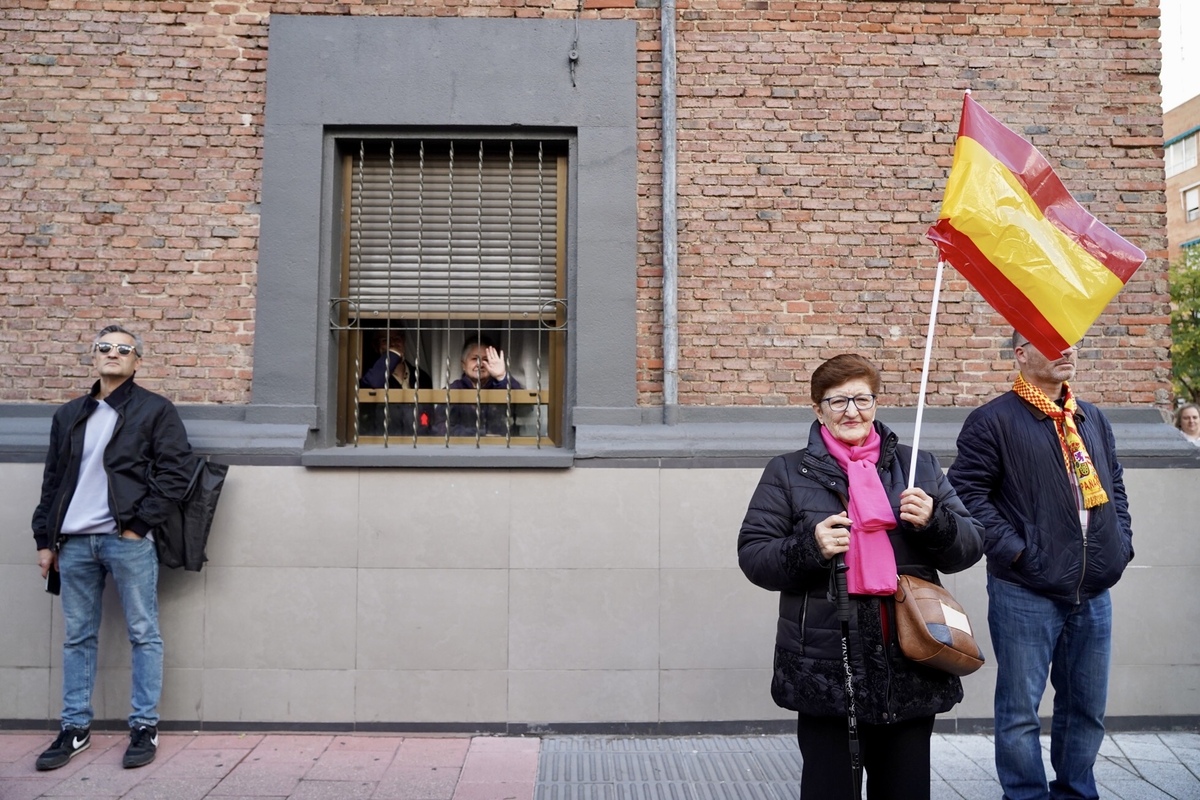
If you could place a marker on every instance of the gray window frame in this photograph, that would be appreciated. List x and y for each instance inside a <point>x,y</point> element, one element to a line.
<point>328,77</point>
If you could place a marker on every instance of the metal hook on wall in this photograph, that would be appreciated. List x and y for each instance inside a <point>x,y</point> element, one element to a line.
<point>573,55</point>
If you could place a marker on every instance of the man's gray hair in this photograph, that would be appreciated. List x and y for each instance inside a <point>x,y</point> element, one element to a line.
<point>1017,339</point>
<point>107,329</point>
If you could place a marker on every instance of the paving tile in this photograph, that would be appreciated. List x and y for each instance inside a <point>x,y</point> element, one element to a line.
<point>1134,790</point>
<point>101,778</point>
<point>200,763</point>
<point>506,744</point>
<point>952,765</point>
<point>575,791</point>
<point>1132,766</point>
<point>22,789</point>
<point>976,748</point>
<point>333,790</point>
<point>353,765</point>
<point>262,779</point>
<point>940,790</point>
<point>284,747</point>
<point>565,767</point>
<point>17,746</point>
<point>1108,769</point>
<point>972,790</point>
<point>1174,779</point>
<point>417,783</point>
<point>494,790</point>
<point>498,767</point>
<point>448,752</point>
<point>226,741</point>
<point>1143,747</point>
<point>367,743</point>
<point>735,791</point>
<point>779,766</point>
<point>155,788</point>
<point>659,791</point>
<point>25,768</point>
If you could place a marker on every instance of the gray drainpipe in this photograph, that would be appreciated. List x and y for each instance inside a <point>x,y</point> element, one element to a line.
<point>670,277</point>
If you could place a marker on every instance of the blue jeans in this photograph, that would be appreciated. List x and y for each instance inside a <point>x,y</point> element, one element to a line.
<point>1029,634</point>
<point>84,561</point>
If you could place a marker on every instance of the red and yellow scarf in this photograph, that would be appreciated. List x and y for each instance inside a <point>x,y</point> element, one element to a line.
<point>1075,455</point>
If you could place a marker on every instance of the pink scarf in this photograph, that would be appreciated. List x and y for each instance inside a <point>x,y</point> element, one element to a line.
<point>870,562</point>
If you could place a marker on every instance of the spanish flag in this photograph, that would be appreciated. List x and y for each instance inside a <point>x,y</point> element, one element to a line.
<point>1015,233</point>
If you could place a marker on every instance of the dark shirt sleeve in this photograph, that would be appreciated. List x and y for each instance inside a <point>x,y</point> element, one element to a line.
<point>377,376</point>
<point>51,479</point>
<point>774,550</point>
<point>170,472</point>
<point>977,475</point>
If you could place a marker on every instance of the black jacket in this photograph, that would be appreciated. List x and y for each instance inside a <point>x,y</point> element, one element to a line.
<point>1010,474</point>
<point>777,551</point>
<point>149,444</point>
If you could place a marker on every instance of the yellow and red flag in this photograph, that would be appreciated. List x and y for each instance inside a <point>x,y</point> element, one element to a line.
<point>1015,233</point>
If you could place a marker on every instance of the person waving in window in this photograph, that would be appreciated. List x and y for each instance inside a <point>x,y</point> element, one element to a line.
<point>483,368</point>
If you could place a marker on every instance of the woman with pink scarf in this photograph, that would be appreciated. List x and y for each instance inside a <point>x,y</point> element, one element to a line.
<point>845,495</point>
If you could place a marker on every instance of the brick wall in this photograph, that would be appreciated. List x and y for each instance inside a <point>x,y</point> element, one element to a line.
<point>814,141</point>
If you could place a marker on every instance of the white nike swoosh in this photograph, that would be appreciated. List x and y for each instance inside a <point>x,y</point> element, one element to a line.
<point>154,741</point>
<point>77,743</point>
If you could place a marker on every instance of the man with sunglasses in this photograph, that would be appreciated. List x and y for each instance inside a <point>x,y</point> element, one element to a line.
<point>118,458</point>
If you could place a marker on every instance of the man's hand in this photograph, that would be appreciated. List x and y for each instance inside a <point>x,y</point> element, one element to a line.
<point>46,559</point>
<point>493,362</point>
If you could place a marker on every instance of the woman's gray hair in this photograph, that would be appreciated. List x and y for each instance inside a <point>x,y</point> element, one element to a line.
<point>107,329</point>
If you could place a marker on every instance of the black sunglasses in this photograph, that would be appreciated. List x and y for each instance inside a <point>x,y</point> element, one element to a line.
<point>106,347</point>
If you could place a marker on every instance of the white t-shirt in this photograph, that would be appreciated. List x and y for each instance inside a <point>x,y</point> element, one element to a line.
<point>89,511</point>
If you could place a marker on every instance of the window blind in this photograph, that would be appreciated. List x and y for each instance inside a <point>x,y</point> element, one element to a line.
<point>445,232</point>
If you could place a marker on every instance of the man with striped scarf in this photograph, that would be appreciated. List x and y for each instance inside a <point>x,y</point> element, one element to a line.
<point>1038,468</point>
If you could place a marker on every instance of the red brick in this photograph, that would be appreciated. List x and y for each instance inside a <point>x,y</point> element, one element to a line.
<point>814,141</point>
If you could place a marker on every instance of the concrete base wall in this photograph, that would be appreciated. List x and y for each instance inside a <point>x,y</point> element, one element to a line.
<point>489,598</point>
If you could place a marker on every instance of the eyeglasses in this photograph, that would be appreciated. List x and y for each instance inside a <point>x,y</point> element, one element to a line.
<point>106,347</point>
<point>839,404</point>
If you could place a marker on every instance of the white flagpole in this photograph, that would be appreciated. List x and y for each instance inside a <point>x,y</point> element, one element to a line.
<point>916,441</point>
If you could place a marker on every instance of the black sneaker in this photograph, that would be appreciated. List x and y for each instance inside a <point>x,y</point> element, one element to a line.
<point>143,744</point>
<point>70,743</point>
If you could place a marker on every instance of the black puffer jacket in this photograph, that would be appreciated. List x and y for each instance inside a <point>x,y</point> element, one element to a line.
<point>148,461</point>
<point>1010,473</point>
<point>777,550</point>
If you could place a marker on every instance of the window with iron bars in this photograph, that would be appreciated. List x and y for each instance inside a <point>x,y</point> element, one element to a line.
<point>451,314</point>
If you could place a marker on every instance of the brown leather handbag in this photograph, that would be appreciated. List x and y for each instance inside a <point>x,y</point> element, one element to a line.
<point>933,628</point>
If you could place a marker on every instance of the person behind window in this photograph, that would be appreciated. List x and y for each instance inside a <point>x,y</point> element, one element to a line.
<point>483,368</point>
<point>845,496</point>
<point>391,367</point>
<point>1187,419</point>
<point>392,370</point>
